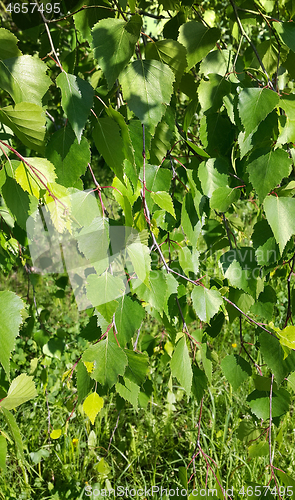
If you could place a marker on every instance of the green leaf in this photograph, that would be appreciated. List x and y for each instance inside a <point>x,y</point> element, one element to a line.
<point>33,179</point>
<point>199,383</point>
<point>20,204</point>
<point>14,429</point>
<point>113,44</point>
<point>138,364</point>
<point>266,248</point>
<point>181,365</point>
<point>265,304</point>
<point>217,61</point>
<point>258,449</point>
<point>190,220</point>
<point>155,295</point>
<point>198,41</point>
<point>223,197</point>
<point>128,317</point>
<point>213,174</point>
<point>8,45</point>
<point>206,302</point>
<point>10,320</point>
<point>103,289</point>
<point>69,158</point>
<point>84,381</point>
<point>139,255</point>
<point>164,134</point>
<point>129,391</point>
<point>207,361</point>
<point>236,370</point>
<point>164,200</point>
<point>211,93</point>
<point>267,170</point>
<point>259,403</point>
<point>286,31</point>
<point>85,19</point>
<point>76,100</point>
<point>169,52</point>
<point>106,134</point>
<point>273,356</point>
<point>287,128</point>
<point>254,106</point>
<point>27,121</point>
<point>240,268</point>
<point>54,348</point>
<point>189,260</point>
<point>21,390</point>
<point>3,453</point>
<point>247,431</point>
<point>287,336</point>
<point>92,406</point>
<point>147,88</point>
<point>109,360</point>
<point>280,214</point>
<point>25,79</point>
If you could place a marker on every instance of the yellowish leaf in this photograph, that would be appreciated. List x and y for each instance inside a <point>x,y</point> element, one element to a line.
<point>92,406</point>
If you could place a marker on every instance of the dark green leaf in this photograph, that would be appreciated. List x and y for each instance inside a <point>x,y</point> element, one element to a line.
<point>76,100</point>
<point>236,370</point>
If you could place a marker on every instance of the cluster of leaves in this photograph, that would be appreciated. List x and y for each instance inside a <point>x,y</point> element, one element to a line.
<point>193,122</point>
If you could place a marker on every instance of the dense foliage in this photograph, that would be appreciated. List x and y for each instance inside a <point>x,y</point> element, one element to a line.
<point>187,113</point>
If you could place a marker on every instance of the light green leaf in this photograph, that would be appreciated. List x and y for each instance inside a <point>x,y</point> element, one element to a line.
<point>259,403</point>
<point>181,365</point>
<point>27,121</point>
<point>3,453</point>
<point>85,19</point>
<point>287,336</point>
<point>280,214</point>
<point>14,429</point>
<point>76,100</point>
<point>8,45</point>
<point>109,360</point>
<point>236,370</point>
<point>129,392</point>
<point>155,295</point>
<point>254,105</point>
<point>240,268</point>
<point>113,44</point>
<point>206,302</point>
<point>128,317</point>
<point>92,406</point>
<point>103,289</point>
<point>258,449</point>
<point>169,52</point>
<point>213,174</point>
<point>189,220</point>
<point>36,178</point>
<point>267,170</point>
<point>10,320</point>
<point>223,197</point>
<point>139,254</point>
<point>189,260</point>
<point>286,32</point>
<point>273,354</point>
<point>147,88</point>
<point>24,78</point>
<point>69,158</point>
<point>198,41</point>
<point>164,201</point>
<point>106,134</point>
<point>59,207</point>
<point>287,123</point>
<point>21,390</point>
